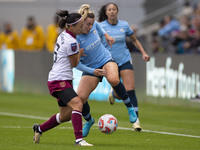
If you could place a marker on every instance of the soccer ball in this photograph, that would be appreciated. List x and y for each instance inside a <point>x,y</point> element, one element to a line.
<point>107,124</point>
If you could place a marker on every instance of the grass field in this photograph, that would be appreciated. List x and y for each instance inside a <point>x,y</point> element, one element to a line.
<point>165,126</point>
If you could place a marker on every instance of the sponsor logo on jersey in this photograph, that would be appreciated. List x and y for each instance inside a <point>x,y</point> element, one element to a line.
<point>122,30</point>
<point>83,42</point>
<point>73,47</point>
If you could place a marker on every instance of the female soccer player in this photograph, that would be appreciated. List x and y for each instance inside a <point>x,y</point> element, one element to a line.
<point>119,29</point>
<point>66,56</point>
<point>100,62</point>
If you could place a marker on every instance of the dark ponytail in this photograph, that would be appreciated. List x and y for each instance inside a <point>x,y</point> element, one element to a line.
<point>67,18</point>
<point>102,12</point>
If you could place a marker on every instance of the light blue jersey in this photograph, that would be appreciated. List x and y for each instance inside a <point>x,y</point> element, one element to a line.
<point>119,50</point>
<point>96,54</point>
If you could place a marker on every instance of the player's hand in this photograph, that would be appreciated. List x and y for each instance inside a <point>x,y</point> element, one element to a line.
<point>81,51</point>
<point>146,57</point>
<point>110,41</point>
<point>99,72</point>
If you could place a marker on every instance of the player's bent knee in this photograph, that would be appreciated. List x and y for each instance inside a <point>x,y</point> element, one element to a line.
<point>114,82</point>
<point>76,104</point>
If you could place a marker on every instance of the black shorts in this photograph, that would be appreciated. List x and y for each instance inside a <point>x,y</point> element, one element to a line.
<point>65,96</point>
<point>100,77</point>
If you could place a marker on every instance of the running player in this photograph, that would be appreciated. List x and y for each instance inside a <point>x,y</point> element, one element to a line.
<point>119,29</point>
<point>100,62</point>
<point>66,56</point>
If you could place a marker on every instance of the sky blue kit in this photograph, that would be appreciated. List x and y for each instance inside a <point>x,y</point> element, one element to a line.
<point>119,50</point>
<point>96,54</point>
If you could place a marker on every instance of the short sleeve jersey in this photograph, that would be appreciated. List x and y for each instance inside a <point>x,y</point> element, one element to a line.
<point>119,50</point>
<point>96,54</point>
<point>66,46</point>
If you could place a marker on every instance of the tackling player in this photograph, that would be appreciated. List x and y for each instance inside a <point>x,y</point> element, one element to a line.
<point>66,56</point>
<point>100,63</point>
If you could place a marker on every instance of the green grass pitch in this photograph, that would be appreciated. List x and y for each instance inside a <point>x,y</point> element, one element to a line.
<point>177,126</point>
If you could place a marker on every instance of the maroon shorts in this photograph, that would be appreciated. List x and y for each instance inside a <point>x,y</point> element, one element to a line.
<point>59,85</point>
<point>62,90</point>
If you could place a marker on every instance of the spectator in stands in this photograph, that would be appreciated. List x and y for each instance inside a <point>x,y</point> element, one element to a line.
<point>181,42</point>
<point>9,38</point>
<point>197,10</point>
<point>32,36</point>
<point>156,47</point>
<point>195,42</point>
<point>187,9</point>
<point>53,31</point>
<point>185,23</point>
<point>170,25</point>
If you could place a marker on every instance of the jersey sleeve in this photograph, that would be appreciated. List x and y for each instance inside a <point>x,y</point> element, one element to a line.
<point>129,31</point>
<point>70,46</point>
<point>73,48</point>
<point>84,68</point>
<point>99,28</point>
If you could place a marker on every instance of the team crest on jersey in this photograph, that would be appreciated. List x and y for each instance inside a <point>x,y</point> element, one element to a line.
<point>73,47</point>
<point>122,30</point>
<point>62,84</point>
<point>94,31</point>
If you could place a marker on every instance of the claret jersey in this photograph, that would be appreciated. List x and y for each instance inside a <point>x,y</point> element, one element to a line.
<point>66,46</point>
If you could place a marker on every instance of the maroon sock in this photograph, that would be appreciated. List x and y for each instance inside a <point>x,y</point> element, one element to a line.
<point>49,124</point>
<point>77,124</point>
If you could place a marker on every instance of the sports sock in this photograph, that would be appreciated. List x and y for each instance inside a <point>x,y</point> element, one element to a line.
<point>51,123</point>
<point>133,100</point>
<point>77,124</point>
<point>121,92</point>
<point>86,112</point>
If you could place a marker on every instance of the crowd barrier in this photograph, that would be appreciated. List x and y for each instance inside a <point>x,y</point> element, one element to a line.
<point>171,76</point>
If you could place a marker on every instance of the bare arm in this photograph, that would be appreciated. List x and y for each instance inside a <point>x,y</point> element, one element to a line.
<point>139,46</point>
<point>74,59</point>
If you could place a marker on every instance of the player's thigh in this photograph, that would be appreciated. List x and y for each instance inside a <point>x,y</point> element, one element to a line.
<point>86,85</point>
<point>128,79</point>
<point>112,74</point>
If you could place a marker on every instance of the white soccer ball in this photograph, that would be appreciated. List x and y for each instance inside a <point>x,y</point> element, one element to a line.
<point>107,124</point>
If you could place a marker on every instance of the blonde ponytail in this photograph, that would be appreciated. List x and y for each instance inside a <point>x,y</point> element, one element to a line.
<point>84,10</point>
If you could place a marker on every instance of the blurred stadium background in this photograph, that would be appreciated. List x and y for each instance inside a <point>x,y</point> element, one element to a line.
<point>30,69</point>
<point>168,87</point>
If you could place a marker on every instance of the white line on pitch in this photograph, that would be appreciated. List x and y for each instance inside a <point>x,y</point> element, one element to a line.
<point>23,116</point>
<point>45,118</point>
<point>159,132</point>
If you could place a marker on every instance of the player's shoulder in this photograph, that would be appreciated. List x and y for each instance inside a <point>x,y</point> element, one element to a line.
<point>123,22</point>
<point>103,23</point>
<point>95,22</point>
<point>66,39</point>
